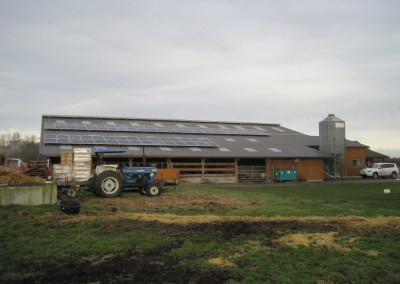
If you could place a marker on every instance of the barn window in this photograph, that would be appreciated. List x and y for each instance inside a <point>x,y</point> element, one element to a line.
<point>357,163</point>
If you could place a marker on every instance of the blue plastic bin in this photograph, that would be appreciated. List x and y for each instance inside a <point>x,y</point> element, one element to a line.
<point>285,174</point>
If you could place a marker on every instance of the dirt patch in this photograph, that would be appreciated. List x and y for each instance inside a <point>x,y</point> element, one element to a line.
<point>238,223</point>
<point>138,266</point>
<point>319,240</point>
<point>221,262</point>
<point>312,239</point>
<point>133,201</point>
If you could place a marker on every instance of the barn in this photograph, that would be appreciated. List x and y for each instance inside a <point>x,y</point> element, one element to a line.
<point>203,151</point>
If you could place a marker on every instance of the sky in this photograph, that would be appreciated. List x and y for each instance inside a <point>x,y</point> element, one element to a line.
<point>278,61</point>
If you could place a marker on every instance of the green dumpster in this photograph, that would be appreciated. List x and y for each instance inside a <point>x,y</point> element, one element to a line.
<point>285,174</point>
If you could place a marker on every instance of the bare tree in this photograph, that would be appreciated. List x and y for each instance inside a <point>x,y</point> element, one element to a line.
<point>14,145</point>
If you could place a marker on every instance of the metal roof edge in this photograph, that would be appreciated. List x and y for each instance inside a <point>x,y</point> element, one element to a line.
<point>373,154</point>
<point>156,119</point>
<point>355,144</point>
<point>348,143</point>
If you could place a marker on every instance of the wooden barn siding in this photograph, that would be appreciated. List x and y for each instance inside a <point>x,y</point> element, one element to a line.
<point>307,169</point>
<point>352,154</point>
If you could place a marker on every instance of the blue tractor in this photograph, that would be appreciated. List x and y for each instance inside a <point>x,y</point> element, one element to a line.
<point>111,180</point>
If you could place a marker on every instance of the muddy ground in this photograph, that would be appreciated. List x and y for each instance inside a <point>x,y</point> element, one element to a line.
<point>158,266</point>
<point>134,201</point>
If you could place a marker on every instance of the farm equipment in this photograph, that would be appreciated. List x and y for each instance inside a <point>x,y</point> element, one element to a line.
<point>34,168</point>
<point>111,180</point>
<point>38,169</point>
<point>168,176</point>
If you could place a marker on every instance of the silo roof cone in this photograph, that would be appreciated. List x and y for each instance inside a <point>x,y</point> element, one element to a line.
<point>332,117</point>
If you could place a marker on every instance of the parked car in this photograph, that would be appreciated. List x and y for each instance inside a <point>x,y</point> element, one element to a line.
<point>381,170</point>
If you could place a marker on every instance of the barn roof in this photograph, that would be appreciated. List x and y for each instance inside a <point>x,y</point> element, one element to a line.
<point>175,138</point>
<point>374,155</point>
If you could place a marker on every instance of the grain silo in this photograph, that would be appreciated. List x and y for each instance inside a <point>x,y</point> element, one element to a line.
<point>332,140</point>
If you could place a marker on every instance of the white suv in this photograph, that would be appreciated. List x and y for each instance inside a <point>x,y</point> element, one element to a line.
<point>381,170</point>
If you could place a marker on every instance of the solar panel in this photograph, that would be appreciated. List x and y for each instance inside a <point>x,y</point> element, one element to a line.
<point>128,140</point>
<point>51,141</point>
<point>75,139</point>
<point>99,140</point>
<point>91,127</point>
<point>154,129</point>
<point>111,140</point>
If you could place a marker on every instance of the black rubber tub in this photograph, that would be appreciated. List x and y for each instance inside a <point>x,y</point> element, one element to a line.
<point>70,207</point>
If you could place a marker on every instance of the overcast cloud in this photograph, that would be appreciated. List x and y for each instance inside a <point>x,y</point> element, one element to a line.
<point>291,62</point>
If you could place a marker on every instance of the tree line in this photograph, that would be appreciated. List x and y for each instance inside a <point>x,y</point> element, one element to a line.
<point>16,145</point>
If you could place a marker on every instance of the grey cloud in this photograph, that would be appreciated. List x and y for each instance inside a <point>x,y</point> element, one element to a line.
<point>291,62</point>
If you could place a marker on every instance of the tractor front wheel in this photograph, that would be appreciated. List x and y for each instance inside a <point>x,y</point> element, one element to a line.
<point>109,184</point>
<point>153,190</point>
<point>143,190</point>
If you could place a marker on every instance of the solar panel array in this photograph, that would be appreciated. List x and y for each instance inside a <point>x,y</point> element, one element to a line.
<point>128,140</point>
<point>152,129</point>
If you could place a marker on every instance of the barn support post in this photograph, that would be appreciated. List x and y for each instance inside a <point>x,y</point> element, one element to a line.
<point>144,158</point>
<point>170,165</point>
<point>203,161</point>
<point>237,170</point>
<point>267,177</point>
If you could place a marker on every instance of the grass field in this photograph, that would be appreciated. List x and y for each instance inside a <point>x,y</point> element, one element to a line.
<point>304,233</point>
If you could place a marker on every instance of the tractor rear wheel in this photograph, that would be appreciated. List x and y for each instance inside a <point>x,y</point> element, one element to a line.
<point>109,184</point>
<point>153,190</point>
